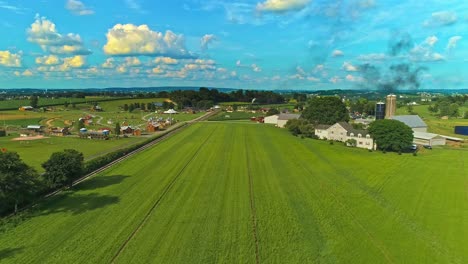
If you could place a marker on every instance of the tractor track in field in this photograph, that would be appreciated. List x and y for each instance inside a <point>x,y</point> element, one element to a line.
<point>252,205</point>
<point>165,191</point>
<point>426,236</point>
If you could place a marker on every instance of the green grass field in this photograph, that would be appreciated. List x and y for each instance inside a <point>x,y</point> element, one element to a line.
<point>233,193</point>
<point>36,152</point>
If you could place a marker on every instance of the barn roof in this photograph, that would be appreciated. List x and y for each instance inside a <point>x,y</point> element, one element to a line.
<point>410,120</point>
<point>425,135</point>
<point>288,116</point>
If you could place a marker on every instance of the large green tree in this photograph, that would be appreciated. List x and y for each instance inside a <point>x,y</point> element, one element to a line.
<point>34,101</point>
<point>63,168</point>
<point>391,135</point>
<point>117,129</point>
<point>18,181</point>
<point>325,110</point>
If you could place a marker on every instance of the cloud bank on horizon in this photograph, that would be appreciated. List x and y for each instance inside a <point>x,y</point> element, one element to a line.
<point>250,44</point>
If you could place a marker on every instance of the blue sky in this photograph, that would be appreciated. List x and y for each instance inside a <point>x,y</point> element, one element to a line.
<point>250,44</point>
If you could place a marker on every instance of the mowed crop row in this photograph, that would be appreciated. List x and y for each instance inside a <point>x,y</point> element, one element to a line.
<point>235,193</point>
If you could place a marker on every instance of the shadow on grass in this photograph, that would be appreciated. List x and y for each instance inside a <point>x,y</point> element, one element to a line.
<point>74,203</point>
<point>9,252</point>
<point>100,182</point>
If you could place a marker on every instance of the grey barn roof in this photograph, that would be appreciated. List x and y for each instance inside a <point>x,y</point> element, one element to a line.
<point>410,120</point>
<point>288,116</point>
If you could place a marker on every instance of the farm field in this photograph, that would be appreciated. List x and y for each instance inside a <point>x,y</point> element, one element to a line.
<point>251,193</point>
<point>36,152</point>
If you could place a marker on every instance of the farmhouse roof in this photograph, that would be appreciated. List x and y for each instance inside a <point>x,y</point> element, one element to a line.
<point>410,120</point>
<point>288,116</point>
<point>350,129</point>
<point>322,126</point>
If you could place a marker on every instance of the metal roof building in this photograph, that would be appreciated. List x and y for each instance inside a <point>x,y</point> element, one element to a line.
<point>430,139</point>
<point>413,121</point>
<point>283,119</point>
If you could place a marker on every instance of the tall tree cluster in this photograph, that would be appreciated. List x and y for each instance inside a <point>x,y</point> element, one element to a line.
<point>325,110</point>
<point>20,183</point>
<point>391,135</point>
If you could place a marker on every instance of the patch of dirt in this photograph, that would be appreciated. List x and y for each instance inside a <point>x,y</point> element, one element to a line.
<point>29,138</point>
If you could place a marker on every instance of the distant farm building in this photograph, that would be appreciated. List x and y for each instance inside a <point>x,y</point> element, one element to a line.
<point>127,130</point>
<point>104,134</point>
<point>283,119</point>
<point>137,132</point>
<point>413,121</point>
<point>59,131</point>
<point>35,128</point>
<point>280,120</point>
<point>344,132</point>
<point>87,120</point>
<point>273,119</point>
<point>26,108</point>
<point>152,126</point>
<point>258,119</point>
<point>430,139</point>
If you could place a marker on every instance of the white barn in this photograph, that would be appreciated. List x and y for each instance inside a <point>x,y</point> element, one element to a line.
<point>280,120</point>
<point>430,139</point>
<point>273,119</point>
<point>283,119</point>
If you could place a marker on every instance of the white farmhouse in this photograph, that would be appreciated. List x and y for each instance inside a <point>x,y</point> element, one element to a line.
<point>343,132</point>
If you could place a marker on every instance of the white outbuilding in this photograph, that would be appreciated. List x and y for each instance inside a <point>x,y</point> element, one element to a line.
<point>273,119</point>
<point>430,139</point>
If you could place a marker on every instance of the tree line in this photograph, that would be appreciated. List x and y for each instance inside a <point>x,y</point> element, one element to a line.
<point>205,98</point>
<point>21,184</point>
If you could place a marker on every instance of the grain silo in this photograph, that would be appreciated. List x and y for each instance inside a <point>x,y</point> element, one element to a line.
<point>380,110</point>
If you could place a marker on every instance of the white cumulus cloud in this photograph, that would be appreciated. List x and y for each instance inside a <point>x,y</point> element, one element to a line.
<point>337,53</point>
<point>441,18</point>
<point>431,40</point>
<point>9,59</point>
<point>347,66</point>
<point>206,40</point>
<point>281,6</point>
<point>78,8</point>
<point>166,60</point>
<point>132,40</point>
<point>44,33</point>
<point>48,60</point>
<point>452,43</point>
<point>73,62</point>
